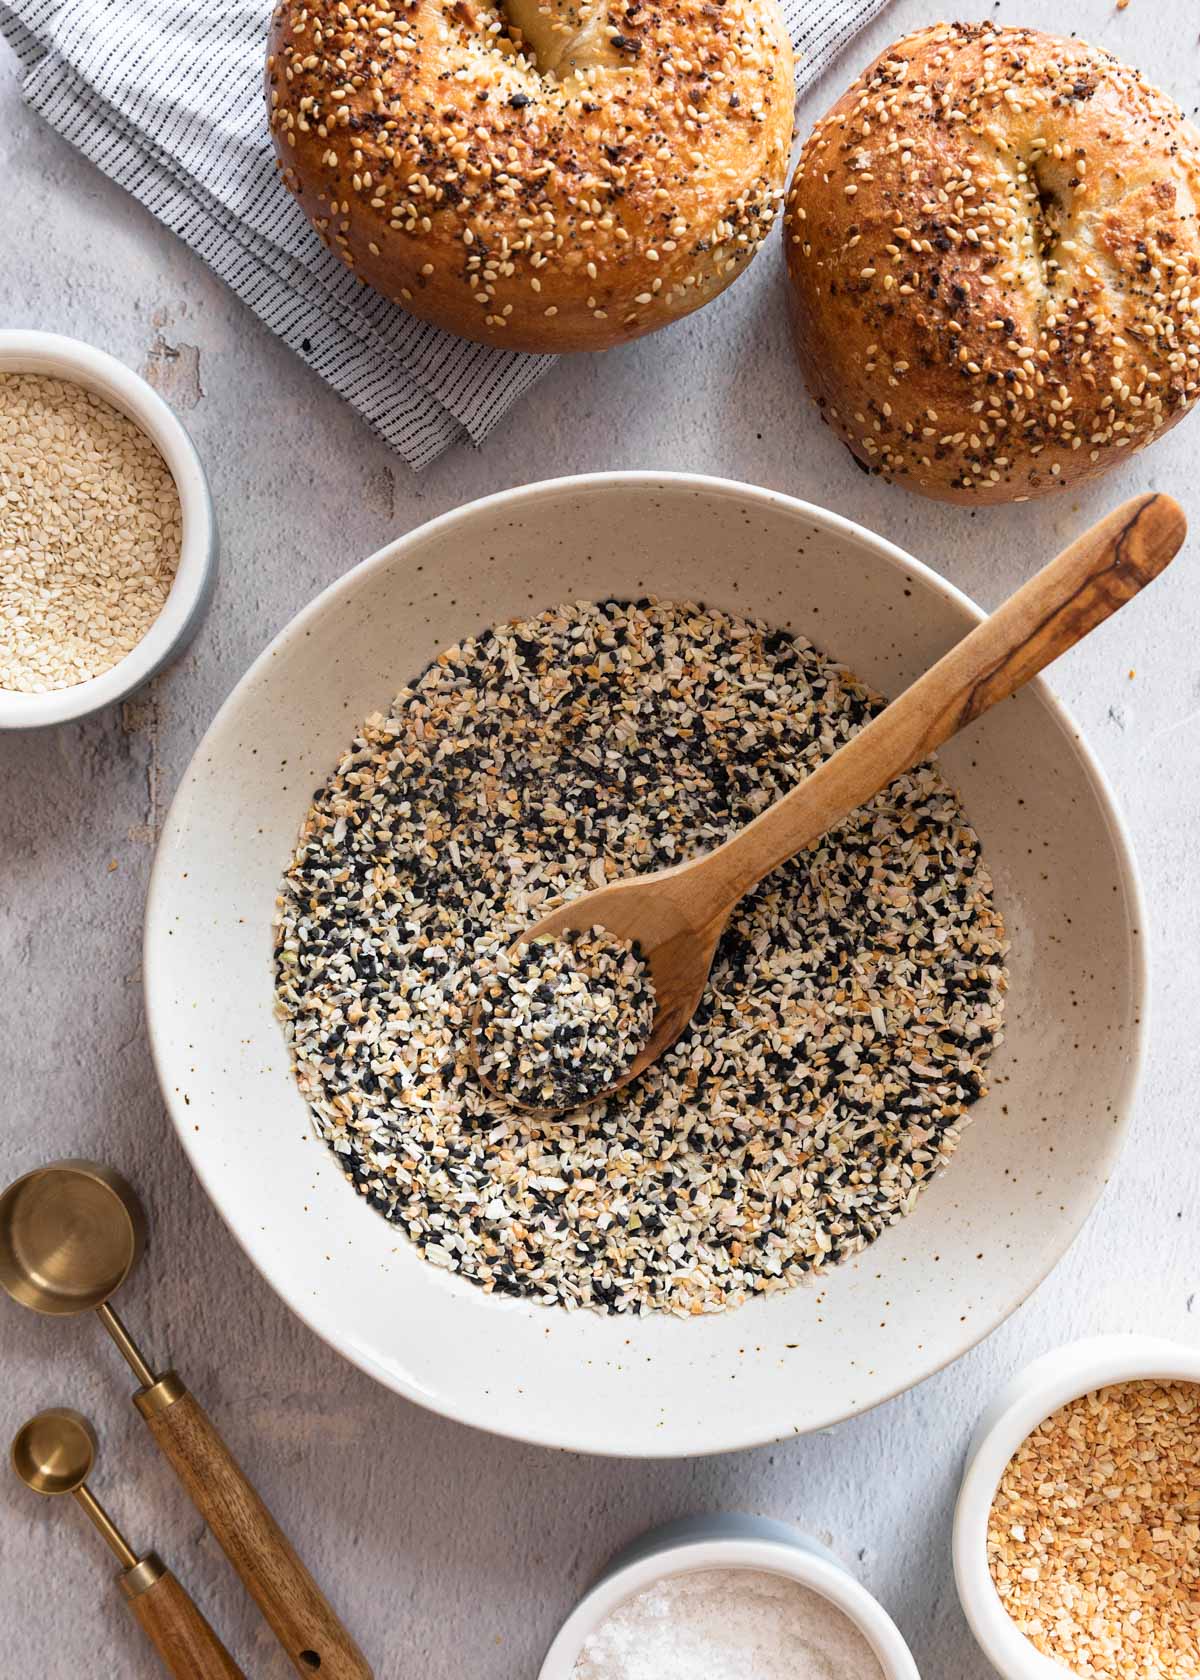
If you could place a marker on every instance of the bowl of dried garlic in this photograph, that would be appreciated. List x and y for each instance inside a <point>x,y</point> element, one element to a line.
<point>108,542</point>
<point>1076,1524</point>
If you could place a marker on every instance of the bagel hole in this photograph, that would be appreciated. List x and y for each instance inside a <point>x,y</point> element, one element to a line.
<point>1049,218</point>
<point>525,29</point>
<point>1050,211</point>
<point>508,39</point>
<point>556,37</point>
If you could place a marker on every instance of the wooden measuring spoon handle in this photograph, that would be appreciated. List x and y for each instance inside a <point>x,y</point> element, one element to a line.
<point>299,1613</point>
<point>175,1627</point>
<point>1078,590</point>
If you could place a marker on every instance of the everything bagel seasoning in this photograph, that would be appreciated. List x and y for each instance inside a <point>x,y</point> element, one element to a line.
<point>854,999</point>
<point>562,1019</point>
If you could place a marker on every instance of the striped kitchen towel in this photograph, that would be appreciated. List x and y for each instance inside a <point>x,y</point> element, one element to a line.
<point>165,96</point>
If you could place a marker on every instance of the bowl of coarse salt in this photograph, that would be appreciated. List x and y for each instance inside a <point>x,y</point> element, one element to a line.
<point>1077,1528</point>
<point>108,543</point>
<point>730,1597</point>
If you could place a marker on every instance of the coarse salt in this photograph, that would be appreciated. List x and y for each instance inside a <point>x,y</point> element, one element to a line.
<point>727,1624</point>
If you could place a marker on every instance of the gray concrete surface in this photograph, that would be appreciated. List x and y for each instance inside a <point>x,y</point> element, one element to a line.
<point>454,1555</point>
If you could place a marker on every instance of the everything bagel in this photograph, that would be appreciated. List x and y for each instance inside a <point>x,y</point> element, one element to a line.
<point>547,177</point>
<point>993,240</point>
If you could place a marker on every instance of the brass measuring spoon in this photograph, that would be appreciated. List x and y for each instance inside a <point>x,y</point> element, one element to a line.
<point>70,1234</point>
<point>53,1454</point>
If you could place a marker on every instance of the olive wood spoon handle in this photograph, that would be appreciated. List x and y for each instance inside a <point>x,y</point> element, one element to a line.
<point>677,915</point>
<point>1101,570</point>
<point>174,1625</point>
<point>300,1615</point>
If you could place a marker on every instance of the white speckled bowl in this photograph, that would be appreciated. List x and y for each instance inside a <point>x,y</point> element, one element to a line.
<point>82,364</point>
<point>1027,1400</point>
<point>982,1237</point>
<point>729,1540</point>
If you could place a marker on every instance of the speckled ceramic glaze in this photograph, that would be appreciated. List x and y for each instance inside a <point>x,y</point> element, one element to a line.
<point>1030,1166</point>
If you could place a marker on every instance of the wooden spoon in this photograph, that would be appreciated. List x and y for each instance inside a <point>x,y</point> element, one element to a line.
<point>678,915</point>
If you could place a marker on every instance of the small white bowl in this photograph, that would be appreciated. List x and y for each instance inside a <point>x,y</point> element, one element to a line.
<point>82,364</point>
<point>730,1540</point>
<point>1027,1400</point>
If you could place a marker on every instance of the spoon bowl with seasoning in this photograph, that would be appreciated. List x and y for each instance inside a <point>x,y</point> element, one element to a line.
<point>674,918</point>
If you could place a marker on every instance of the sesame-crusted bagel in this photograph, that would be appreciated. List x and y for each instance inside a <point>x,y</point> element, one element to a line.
<point>994,250</point>
<point>549,176</point>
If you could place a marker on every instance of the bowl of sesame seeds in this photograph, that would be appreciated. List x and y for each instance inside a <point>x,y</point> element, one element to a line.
<point>107,535</point>
<point>900,1099</point>
<point>1077,1528</point>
